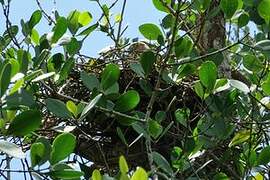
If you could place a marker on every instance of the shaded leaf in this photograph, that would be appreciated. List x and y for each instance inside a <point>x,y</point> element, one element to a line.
<point>25,123</point>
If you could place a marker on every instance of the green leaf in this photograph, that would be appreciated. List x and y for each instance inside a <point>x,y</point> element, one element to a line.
<point>73,24</point>
<point>264,156</point>
<point>147,61</point>
<point>90,80</point>
<point>5,77</point>
<point>162,163</point>
<point>199,90</point>
<point>37,152</point>
<point>85,18</point>
<point>35,19</point>
<point>62,147</point>
<point>25,123</point>
<point>221,176</point>
<point>208,74</point>
<point>239,85</point>
<point>90,106</point>
<point>155,128</point>
<point>12,149</point>
<point>57,107</point>
<point>109,76</point>
<point>137,68</point>
<point>150,31</point>
<point>266,87</point>
<point>263,45</point>
<point>229,7</point>
<point>160,116</point>
<point>127,101</point>
<point>71,106</point>
<point>66,174</point>
<point>240,137</point>
<point>59,29</point>
<point>66,69</point>
<point>73,46</point>
<point>139,174</point>
<point>96,175</point>
<point>182,115</point>
<point>88,30</point>
<point>121,135</point>
<point>35,36</point>
<point>48,149</point>
<point>252,63</point>
<point>123,165</point>
<point>160,6</point>
<point>263,10</point>
<point>19,83</point>
<point>43,76</point>
<point>183,46</point>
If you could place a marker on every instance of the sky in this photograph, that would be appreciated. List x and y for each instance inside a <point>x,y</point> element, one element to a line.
<point>137,13</point>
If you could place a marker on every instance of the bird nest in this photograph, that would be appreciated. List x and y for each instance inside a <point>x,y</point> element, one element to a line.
<point>98,136</point>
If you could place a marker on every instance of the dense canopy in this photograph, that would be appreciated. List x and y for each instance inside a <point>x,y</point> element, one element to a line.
<point>189,100</point>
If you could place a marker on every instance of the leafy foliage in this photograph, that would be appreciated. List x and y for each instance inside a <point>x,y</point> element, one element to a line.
<point>189,101</point>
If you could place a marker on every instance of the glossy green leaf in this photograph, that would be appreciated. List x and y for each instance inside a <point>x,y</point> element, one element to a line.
<point>240,137</point>
<point>59,29</point>
<point>110,76</point>
<point>12,149</point>
<point>147,61</point>
<point>35,36</point>
<point>183,46</point>
<point>71,106</point>
<point>150,31</point>
<point>123,166</point>
<point>162,163</point>
<point>73,23</point>
<point>35,19</point>
<point>57,107</point>
<point>88,30</point>
<point>48,149</point>
<point>85,18</point>
<point>25,123</point>
<point>127,101</point>
<point>139,174</point>
<point>263,10</point>
<point>62,147</point>
<point>160,6</point>
<point>208,74</point>
<point>5,77</point>
<point>266,87</point>
<point>96,175</point>
<point>264,156</point>
<point>199,90</point>
<point>66,174</point>
<point>37,152</point>
<point>90,106</point>
<point>155,128</point>
<point>182,115</point>
<point>229,7</point>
